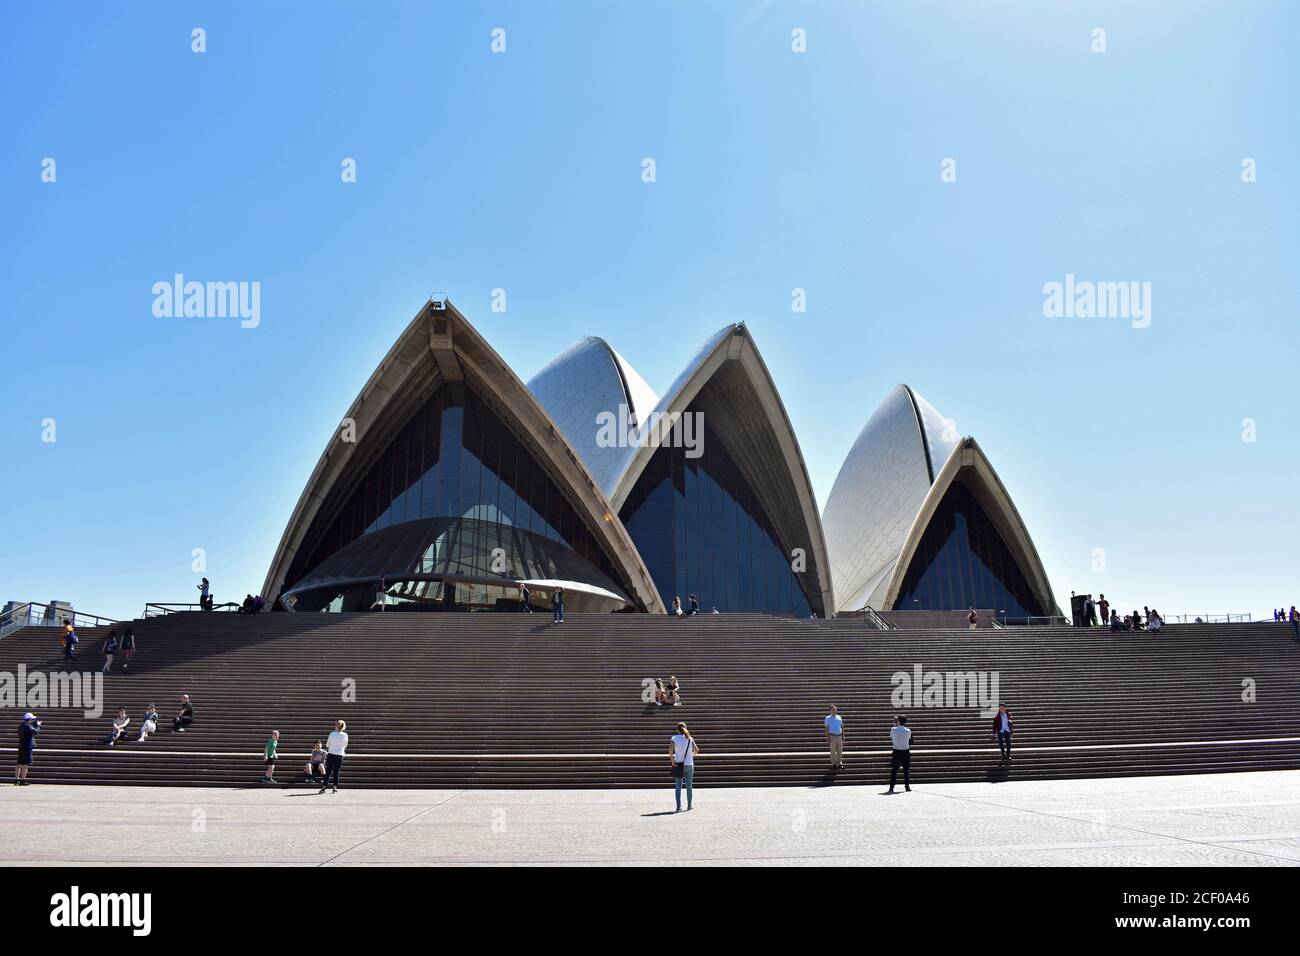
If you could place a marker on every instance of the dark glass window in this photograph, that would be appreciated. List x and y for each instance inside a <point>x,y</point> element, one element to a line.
<point>963,562</point>
<point>700,530</point>
<point>454,459</point>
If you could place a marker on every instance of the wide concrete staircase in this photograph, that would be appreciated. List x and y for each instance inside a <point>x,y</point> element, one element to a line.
<point>509,700</point>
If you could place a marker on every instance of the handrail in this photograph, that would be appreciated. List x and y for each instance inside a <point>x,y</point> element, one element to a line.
<point>52,616</point>
<point>878,622</point>
<point>157,609</point>
<point>1033,620</point>
<point>1206,618</point>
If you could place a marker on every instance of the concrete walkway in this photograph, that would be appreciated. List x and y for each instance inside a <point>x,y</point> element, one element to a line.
<point>1249,819</point>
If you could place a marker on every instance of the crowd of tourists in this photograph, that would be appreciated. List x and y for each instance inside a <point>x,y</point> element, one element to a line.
<point>1148,619</point>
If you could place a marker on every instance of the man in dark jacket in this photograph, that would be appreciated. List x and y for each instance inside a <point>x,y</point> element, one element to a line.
<point>28,728</point>
<point>1003,727</point>
<point>557,606</point>
<point>186,715</point>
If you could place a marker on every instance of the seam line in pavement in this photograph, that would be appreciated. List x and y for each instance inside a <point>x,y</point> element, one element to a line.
<point>1116,826</point>
<point>400,823</point>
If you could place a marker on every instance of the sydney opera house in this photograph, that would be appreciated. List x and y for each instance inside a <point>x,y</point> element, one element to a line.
<point>454,483</point>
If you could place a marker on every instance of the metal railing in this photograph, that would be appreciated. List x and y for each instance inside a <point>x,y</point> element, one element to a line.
<point>876,621</point>
<point>37,614</point>
<point>156,609</point>
<point>1206,618</point>
<point>1044,620</point>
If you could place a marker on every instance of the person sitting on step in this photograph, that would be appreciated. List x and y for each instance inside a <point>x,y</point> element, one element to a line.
<point>316,764</point>
<point>119,726</point>
<point>185,716</point>
<point>150,723</point>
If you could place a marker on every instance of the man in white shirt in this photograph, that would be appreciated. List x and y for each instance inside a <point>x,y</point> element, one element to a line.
<point>901,739</point>
<point>835,738</point>
<point>337,747</point>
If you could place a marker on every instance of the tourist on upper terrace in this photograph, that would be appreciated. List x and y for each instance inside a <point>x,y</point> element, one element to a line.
<point>682,750</point>
<point>973,619</point>
<point>1103,606</point>
<point>834,726</point>
<point>1090,611</point>
<point>524,595</point>
<point>1003,728</point>
<point>120,723</point>
<point>268,753</point>
<point>128,649</point>
<point>677,606</point>
<point>205,596</point>
<point>695,606</point>
<point>185,716</point>
<point>247,606</point>
<point>337,745</point>
<point>381,595</point>
<point>1137,621</point>
<point>1116,624</point>
<point>557,606</point>
<point>150,723</point>
<point>28,728</point>
<point>1154,621</point>
<point>900,740</point>
<point>110,648</point>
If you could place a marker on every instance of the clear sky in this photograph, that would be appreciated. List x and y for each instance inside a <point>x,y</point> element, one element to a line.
<point>775,170</point>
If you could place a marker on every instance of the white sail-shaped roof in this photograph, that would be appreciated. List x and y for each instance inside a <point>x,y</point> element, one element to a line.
<point>582,382</point>
<point>880,488</point>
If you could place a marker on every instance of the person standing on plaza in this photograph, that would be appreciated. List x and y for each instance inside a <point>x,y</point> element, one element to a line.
<point>28,728</point>
<point>900,739</point>
<point>524,595</point>
<point>682,749</point>
<point>834,724</point>
<point>272,745</point>
<point>557,606</point>
<point>337,747</point>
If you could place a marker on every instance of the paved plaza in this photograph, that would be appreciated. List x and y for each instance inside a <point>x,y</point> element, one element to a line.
<point>1245,819</point>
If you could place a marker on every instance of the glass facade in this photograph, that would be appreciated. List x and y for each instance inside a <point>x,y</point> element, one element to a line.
<point>700,530</point>
<point>454,458</point>
<point>963,562</point>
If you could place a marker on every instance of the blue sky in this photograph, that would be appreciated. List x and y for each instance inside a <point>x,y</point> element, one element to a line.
<point>775,170</point>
